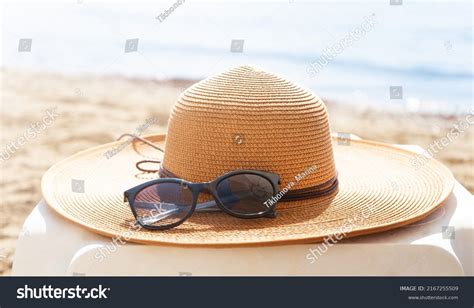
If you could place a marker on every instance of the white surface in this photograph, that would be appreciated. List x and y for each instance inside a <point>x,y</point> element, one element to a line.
<point>52,245</point>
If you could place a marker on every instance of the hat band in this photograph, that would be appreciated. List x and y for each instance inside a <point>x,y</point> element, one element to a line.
<point>312,191</point>
<point>292,195</point>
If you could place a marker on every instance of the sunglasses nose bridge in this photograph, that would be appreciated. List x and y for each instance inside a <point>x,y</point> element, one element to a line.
<point>202,187</point>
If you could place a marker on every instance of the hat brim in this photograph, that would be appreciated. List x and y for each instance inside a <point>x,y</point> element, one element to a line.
<point>379,189</point>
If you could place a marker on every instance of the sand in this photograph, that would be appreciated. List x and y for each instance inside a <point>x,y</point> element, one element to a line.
<point>59,115</point>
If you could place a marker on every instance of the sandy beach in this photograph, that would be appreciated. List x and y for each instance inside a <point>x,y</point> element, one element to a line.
<point>60,115</point>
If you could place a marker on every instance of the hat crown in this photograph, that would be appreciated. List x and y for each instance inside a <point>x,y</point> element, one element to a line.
<point>246,118</point>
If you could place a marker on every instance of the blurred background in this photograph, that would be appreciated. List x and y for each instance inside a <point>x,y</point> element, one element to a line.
<point>81,73</point>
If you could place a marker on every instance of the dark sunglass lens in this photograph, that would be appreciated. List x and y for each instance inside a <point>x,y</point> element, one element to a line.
<point>163,204</point>
<point>245,194</point>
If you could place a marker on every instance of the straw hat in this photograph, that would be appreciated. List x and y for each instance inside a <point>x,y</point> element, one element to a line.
<point>246,118</point>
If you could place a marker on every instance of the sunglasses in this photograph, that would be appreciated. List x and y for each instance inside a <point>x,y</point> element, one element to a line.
<point>166,203</point>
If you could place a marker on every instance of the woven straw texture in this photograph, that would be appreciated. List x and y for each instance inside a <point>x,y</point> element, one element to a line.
<point>249,119</point>
<point>246,118</point>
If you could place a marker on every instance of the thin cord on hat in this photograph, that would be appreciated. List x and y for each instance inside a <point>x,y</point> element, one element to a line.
<point>142,140</point>
<point>135,137</point>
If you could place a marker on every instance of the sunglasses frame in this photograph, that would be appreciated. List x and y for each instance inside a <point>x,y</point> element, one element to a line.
<point>209,187</point>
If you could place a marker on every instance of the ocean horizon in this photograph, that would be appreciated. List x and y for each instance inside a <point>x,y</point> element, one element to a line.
<point>421,49</point>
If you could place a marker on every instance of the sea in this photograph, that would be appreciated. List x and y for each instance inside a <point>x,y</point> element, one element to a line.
<point>415,56</point>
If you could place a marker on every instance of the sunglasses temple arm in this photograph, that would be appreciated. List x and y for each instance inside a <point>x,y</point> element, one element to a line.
<point>209,206</point>
<point>202,207</point>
